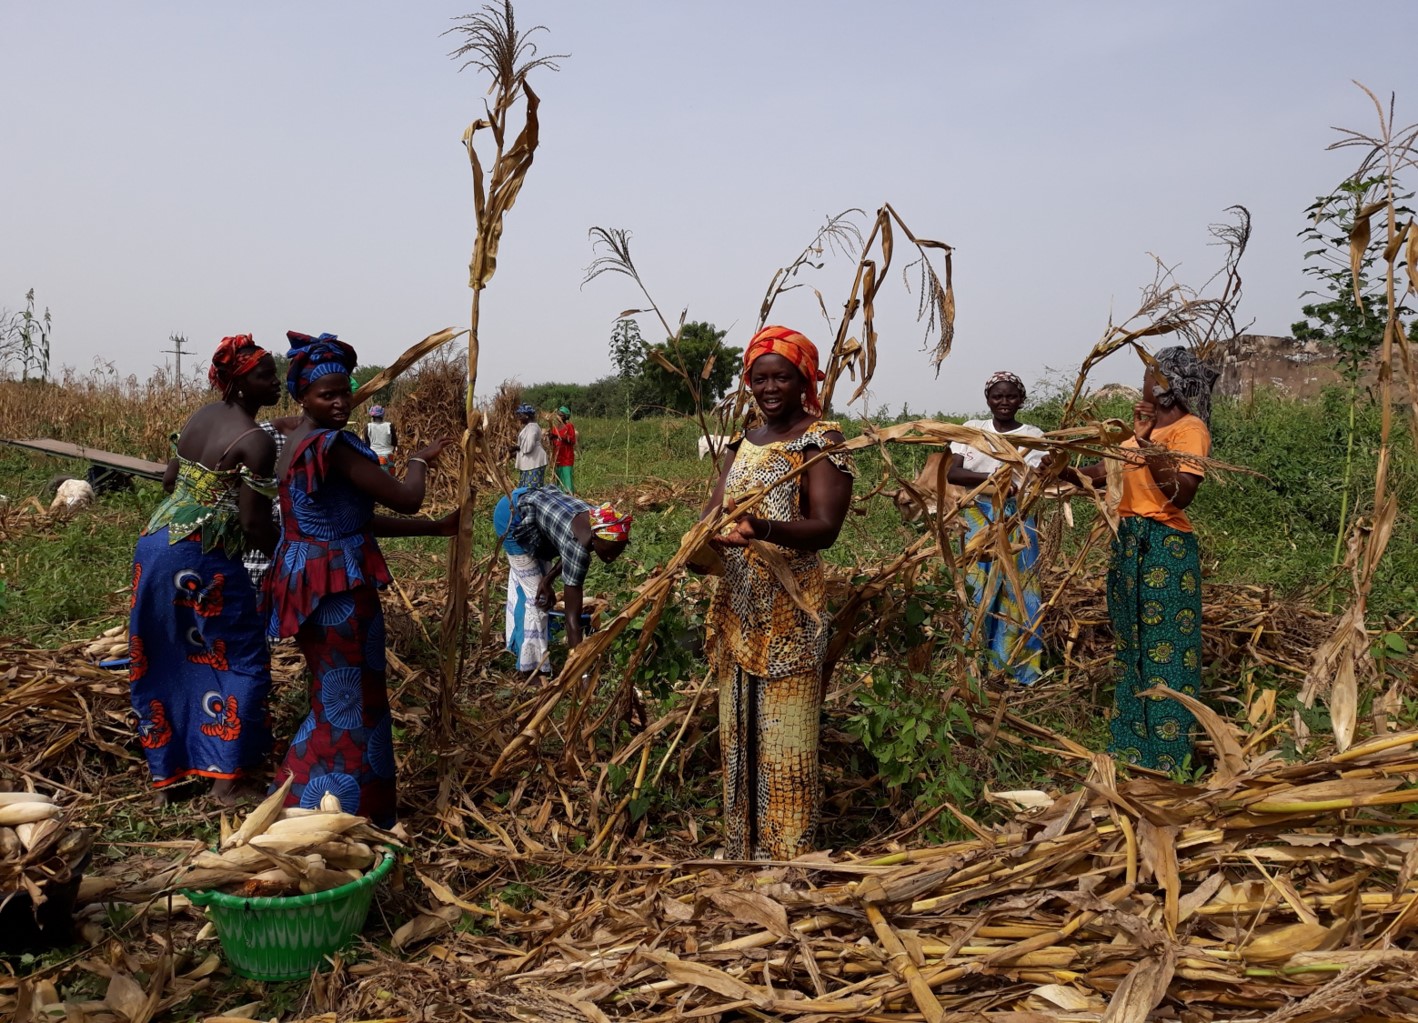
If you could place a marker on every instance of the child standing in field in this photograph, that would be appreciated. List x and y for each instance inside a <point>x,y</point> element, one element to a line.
<point>380,437</point>
<point>563,443</point>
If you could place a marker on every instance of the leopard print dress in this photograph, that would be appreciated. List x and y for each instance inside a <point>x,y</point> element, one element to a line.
<point>767,649</point>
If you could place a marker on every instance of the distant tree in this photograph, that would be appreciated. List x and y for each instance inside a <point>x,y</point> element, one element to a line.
<point>610,397</point>
<point>627,348</point>
<point>550,395</point>
<point>702,357</point>
<point>282,366</point>
<point>650,379</point>
<point>1355,329</point>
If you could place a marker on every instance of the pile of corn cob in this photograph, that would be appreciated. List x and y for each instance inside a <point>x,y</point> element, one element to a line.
<point>38,847</point>
<point>279,850</point>
<point>113,643</point>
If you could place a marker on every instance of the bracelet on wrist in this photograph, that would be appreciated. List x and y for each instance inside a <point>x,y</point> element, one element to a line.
<point>420,461</point>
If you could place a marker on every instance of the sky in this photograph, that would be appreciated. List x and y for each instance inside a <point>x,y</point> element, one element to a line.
<point>209,169</point>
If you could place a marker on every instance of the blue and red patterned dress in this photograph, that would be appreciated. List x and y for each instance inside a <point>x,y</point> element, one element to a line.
<point>323,588</point>
<point>199,670</point>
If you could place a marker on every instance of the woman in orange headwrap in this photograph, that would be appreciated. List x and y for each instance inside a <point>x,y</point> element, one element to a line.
<point>199,670</point>
<point>767,644</point>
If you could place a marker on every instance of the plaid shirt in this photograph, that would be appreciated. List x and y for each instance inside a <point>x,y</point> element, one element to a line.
<point>543,529</point>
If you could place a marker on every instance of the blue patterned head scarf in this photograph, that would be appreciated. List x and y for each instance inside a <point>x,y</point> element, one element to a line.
<point>315,357</point>
<point>1189,381</point>
<point>525,409</point>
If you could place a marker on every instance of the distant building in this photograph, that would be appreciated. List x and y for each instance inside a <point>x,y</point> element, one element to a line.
<point>1262,362</point>
<point>1300,369</point>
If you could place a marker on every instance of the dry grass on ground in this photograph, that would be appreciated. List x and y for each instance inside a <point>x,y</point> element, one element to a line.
<point>1270,887</point>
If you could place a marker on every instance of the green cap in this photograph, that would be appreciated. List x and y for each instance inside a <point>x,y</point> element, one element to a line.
<point>564,410</point>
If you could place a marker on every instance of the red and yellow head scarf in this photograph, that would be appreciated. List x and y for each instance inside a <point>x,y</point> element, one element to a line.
<point>228,363</point>
<point>798,350</point>
<point>609,524</point>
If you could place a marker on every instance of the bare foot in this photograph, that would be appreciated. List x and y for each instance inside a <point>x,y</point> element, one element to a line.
<point>233,792</point>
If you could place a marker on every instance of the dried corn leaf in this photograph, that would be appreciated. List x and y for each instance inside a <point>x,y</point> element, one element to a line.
<point>410,355</point>
<point>716,980</point>
<point>1143,989</point>
<point>126,996</point>
<point>1411,258</point>
<point>1231,759</point>
<point>1277,944</point>
<point>754,907</point>
<point>425,926</point>
<point>1359,235</point>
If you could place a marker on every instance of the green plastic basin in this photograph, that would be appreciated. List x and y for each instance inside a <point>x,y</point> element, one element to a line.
<point>288,937</point>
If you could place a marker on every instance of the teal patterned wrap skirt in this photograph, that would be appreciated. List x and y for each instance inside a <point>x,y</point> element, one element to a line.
<point>1154,601</point>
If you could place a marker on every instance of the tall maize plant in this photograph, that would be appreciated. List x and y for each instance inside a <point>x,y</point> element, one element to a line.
<point>493,45</point>
<point>1346,657</point>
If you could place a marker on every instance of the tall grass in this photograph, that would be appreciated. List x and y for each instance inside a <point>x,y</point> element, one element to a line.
<point>100,409</point>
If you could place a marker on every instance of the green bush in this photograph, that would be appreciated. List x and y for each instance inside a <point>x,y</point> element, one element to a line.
<point>607,398</point>
<point>1279,527</point>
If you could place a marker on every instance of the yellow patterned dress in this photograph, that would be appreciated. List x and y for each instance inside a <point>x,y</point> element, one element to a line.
<point>766,644</point>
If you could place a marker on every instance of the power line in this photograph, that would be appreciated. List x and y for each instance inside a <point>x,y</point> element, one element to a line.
<point>178,340</point>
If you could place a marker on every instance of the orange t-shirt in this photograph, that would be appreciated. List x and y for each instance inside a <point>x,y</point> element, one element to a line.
<point>1141,496</point>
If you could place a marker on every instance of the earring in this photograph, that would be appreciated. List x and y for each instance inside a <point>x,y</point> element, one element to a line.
<point>241,394</point>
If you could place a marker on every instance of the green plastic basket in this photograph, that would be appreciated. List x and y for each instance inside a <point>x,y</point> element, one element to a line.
<point>288,937</point>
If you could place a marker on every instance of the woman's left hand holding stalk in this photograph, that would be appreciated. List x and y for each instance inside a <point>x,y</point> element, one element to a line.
<point>1144,417</point>
<point>741,530</point>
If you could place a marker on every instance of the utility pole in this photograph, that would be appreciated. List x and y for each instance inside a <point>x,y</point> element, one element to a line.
<point>178,340</point>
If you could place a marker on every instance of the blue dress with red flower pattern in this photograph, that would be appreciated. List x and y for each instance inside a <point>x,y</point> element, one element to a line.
<point>198,666</point>
<point>323,590</point>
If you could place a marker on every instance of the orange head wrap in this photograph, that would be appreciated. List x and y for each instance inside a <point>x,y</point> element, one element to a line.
<point>228,363</point>
<point>794,347</point>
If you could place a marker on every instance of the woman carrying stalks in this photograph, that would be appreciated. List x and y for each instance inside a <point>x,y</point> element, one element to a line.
<point>1154,581</point>
<point>1009,628</point>
<point>765,642</point>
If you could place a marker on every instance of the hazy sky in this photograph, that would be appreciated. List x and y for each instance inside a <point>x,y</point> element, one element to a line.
<point>221,168</point>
